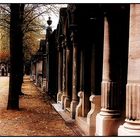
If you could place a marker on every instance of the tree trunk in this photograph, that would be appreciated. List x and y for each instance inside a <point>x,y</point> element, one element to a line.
<point>21,44</point>
<point>16,56</point>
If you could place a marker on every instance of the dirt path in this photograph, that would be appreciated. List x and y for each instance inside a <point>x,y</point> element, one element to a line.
<point>36,116</point>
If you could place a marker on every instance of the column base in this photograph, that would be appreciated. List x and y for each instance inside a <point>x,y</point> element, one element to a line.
<point>44,85</point>
<point>66,103</point>
<point>107,125</point>
<point>129,129</point>
<point>59,94</point>
<point>62,100</point>
<point>31,78</point>
<point>73,109</point>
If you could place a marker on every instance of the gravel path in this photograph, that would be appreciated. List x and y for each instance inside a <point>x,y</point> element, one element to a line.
<point>36,116</point>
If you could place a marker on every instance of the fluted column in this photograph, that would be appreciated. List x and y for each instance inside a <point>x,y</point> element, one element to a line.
<point>109,85</point>
<point>74,74</point>
<point>131,127</point>
<point>107,120</point>
<point>60,66</point>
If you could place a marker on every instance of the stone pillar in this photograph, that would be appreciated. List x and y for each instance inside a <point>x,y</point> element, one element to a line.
<point>85,77</point>
<point>39,73</point>
<point>60,68</point>
<point>68,76</point>
<point>31,72</point>
<point>47,68</point>
<point>64,75</point>
<point>44,72</point>
<point>131,127</point>
<point>74,74</point>
<point>80,109</point>
<point>86,62</point>
<point>36,71</point>
<point>107,121</point>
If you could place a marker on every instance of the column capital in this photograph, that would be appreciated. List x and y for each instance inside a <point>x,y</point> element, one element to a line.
<point>73,27</point>
<point>72,8</point>
<point>44,55</point>
<point>59,48</point>
<point>61,37</point>
<point>63,44</point>
<point>60,42</point>
<point>73,36</point>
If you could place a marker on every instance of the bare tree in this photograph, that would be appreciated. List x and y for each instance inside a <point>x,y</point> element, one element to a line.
<point>21,21</point>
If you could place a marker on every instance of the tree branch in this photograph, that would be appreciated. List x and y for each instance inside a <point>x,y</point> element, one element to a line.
<point>2,7</point>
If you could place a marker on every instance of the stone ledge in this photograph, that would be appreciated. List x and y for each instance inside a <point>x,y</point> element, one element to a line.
<point>68,120</point>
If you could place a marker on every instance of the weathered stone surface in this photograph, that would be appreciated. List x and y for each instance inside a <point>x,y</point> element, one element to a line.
<point>134,43</point>
<point>131,127</point>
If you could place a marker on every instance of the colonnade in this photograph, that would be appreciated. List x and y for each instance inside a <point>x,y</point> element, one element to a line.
<point>98,61</point>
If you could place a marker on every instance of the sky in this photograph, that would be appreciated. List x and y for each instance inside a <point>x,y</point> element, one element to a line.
<point>55,18</point>
<point>70,1</point>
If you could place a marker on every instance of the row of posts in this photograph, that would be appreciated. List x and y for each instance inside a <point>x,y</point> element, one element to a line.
<point>109,118</point>
<point>113,81</point>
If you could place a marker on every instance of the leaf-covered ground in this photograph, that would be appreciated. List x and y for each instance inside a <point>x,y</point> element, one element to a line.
<point>36,116</point>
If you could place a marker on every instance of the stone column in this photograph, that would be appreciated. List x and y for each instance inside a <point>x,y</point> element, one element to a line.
<point>82,91</point>
<point>44,72</point>
<point>31,72</point>
<point>36,71</point>
<point>107,121</point>
<point>131,127</point>
<point>60,68</point>
<point>68,75</point>
<point>74,73</point>
<point>64,75</point>
<point>85,77</point>
<point>47,67</point>
<point>39,73</point>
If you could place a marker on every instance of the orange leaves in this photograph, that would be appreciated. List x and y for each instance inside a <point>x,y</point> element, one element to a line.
<point>4,55</point>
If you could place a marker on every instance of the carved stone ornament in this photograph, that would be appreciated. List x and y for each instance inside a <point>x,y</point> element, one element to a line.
<point>72,8</point>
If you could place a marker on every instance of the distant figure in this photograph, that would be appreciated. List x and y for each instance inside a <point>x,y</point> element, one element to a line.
<point>2,70</point>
